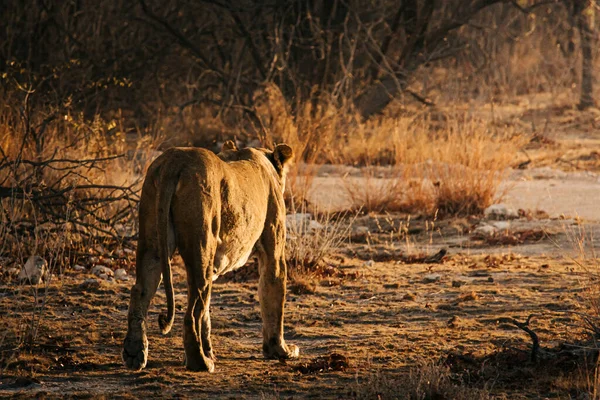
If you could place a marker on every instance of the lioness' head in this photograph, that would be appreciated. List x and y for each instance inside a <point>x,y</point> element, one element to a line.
<point>281,157</point>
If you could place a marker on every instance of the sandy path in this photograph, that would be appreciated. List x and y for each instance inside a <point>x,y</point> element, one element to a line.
<point>556,192</point>
<point>569,194</point>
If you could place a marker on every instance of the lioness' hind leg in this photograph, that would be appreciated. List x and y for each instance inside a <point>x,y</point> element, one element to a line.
<point>273,274</point>
<point>204,330</point>
<point>135,346</point>
<point>198,262</point>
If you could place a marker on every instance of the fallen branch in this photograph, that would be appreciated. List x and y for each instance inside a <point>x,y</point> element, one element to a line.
<point>534,337</point>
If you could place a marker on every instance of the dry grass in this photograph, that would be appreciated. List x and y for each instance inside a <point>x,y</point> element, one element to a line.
<point>427,381</point>
<point>450,168</point>
<point>58,167</point>
<point>310,239</point>
<point>424,162</point>
<point>582,245</point>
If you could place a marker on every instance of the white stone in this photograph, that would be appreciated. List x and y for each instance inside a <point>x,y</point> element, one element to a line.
<point>91,283</point>
<point>78,267</point>
<point>302,223</point>
<point>501,212</point>
<point>102,272</point>
<point>360,230</point>
<point>298,219</point>
<point>369,263</point>
<point>485,230</point>
<point>315,226</point>
<point>121,275</point>
<point>431,278</point>
<point>501,225</point>
<point>34,271</point>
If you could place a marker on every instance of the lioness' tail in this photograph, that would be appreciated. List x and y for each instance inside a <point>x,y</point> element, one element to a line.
<point>168,178</point>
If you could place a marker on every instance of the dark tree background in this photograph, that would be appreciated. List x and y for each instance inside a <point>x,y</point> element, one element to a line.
<point>145,55</point>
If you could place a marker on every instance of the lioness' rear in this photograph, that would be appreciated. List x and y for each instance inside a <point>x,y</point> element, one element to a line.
<point>217,214</point>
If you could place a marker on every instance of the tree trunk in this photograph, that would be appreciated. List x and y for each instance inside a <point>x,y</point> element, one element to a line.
<point>378,96</point>
<point>586,34</point>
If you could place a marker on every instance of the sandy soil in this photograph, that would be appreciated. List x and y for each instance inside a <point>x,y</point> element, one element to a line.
<point>381,316</point>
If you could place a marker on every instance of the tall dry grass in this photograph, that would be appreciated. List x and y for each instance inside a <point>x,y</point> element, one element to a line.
<point>453,166</point>
<point>448,163</point>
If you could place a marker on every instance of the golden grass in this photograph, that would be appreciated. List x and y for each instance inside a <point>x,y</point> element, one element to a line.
<point>448,163</point>
<point>66,169</point>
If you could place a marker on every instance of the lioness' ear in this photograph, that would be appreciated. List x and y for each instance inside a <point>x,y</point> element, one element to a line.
<point>282,155</point>
<point>229,145</point>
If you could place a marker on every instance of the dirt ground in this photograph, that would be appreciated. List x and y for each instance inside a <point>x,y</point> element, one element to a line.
<point>377,316</point>
<point>380,316</point>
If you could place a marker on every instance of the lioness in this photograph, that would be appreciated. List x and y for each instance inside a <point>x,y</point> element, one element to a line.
<point>218,211</point>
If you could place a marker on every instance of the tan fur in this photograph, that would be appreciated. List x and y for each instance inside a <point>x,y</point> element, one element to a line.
<point>218,211</point>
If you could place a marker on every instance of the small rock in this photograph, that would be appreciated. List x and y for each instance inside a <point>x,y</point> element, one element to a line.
<point>480,273</point>
<point>501,225</point>
<point>360,230</point>
<point>500,212</point>
<point>78,267</point>
<point>369,263</point>
<point>431,278</point>
<point>298,219</point>
<point>109,262</point>
<point>34,271</point>
<point>93,260</point>
<point>485,230</point>
<point>102,272</point>
<point>302,223</point>
<point>458,284</point>
<point>315,226</point>
<point>90,283</point>
<point>121,275</point>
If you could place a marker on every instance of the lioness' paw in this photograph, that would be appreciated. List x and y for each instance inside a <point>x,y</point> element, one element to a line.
<point>210,354</point>
<point>279,351</point>
<point>294,351</point>
<point>135,353</point>
<point>197,364</point>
